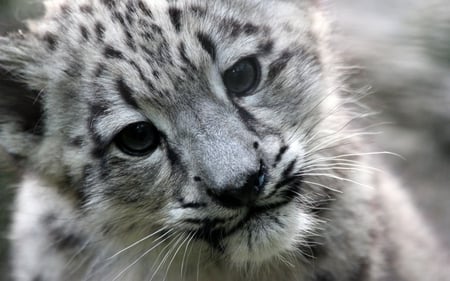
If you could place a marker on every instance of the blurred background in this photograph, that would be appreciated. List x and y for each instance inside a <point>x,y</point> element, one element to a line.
<point>401,49</point>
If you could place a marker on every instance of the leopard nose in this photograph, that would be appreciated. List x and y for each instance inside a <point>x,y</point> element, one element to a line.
<point>245,195</point>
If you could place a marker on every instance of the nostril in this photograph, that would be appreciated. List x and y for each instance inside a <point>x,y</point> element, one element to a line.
<point>234,197</point>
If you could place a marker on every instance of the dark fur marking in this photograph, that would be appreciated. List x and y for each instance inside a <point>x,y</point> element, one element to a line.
<point>288,171</point>
<point>75,69</point>
<point>77,141</point>
<point>84,32</point>
<point>65,9</point>
<point>112,53</point>
<point>175,18</point>
<point>237,28</point>
<point>109,3</point>
<point>100,31</point>
<point>249,29</point>
<point>52,40</point>
<point>191,205</point>
<point>280,154</point>
<point>156,74</point>
<point>197,179</point>
<point>198,10</point>
<point>100,145</point>
<point>265,47</point>
<point>173,157</point>
<point>129,16</point>
<point>130,41</point>
<point>87,9</point>
<point>182,51</point>
<point>99,70</point>
<point>118,16</point>
<point>248,119</point>
<point>145,9</point>
<point>125,92</point>
<point>278,65</point>
<point>157,29</point>
<point>65,240</point>
<point>207,44</point>
<point>149,83</point>
<point>256,145</point>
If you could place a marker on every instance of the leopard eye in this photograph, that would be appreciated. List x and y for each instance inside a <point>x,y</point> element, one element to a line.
<point>243,77</point>
<point>138,139</point>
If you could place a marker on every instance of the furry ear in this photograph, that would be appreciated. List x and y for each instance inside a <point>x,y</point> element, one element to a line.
<point>21,119</point>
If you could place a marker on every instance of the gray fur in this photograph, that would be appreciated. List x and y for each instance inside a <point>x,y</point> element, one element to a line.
<point>87,211</point>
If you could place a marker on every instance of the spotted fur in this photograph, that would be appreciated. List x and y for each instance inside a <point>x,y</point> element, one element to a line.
<point>86,210</point>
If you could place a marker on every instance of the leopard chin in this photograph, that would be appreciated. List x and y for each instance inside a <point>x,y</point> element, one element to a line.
<point>267,236</point>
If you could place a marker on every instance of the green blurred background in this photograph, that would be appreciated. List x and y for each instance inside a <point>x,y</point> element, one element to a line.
<point>12,14</point>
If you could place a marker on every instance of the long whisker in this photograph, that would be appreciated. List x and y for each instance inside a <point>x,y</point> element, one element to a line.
<point>184,254</point>
<point>172,245</point>
<point>144,254</point>
<point>136,243</point>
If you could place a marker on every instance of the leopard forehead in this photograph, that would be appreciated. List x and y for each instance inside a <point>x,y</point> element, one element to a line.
<point>159,54</point>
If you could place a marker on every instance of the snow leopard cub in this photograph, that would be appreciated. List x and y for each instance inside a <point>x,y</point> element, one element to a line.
<point>196,140</point>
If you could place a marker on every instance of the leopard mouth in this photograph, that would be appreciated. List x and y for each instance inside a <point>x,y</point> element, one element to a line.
<point>216,230</point>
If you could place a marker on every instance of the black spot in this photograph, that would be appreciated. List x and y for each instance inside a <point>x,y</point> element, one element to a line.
<point>126,92</point>
<point>173,157</point>
<point>119,17</point>
<point>112,53</point>
<point>74,69</point>
<point>175,18</point>
<point>182,51</point>
<point>265,47</point>
<point>84,32</point>
<point>49,219</point>
<point>198,10</point>
<point>65,240</point>
<point>255,145</point>
<point>100,31</point>
<point>288,171</point>
<point>130,40</point>
<point>100,145</point>
<point>156,74</point>
<point>148,83</point>
<point>77,141</point>
<point>99,70</point>
<point>250,29</point>
<point>65,9</point>
<point>248,119</point>
<point>237,28</point>
<point>278,65</point>
<point>280,154</point>
<point>87,9</point>
<point>157,29</point>
<point>52,40</point>
<point>207,44</point>
<point>129,16</point>
<point>109,3</point>
<point>145,9</point>
<point>191,205</point>
<point>197,179</point>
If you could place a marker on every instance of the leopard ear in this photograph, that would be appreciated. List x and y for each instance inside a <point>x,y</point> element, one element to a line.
<point>21,118</point>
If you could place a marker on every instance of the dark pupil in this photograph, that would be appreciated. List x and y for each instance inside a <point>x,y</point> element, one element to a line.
<point>241,77</point>
<point>137,139</point>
